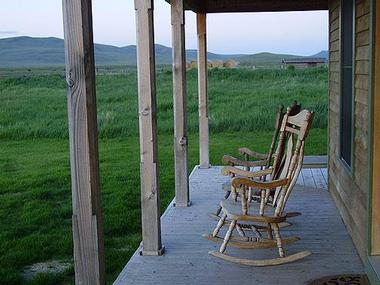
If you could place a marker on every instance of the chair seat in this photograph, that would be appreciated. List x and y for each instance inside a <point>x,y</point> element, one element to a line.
<point>233,210</point>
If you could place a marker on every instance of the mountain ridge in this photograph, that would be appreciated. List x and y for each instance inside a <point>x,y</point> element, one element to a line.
<point>49,51</point>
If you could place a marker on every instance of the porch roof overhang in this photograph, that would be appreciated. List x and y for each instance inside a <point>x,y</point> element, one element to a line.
<point>231,6</point>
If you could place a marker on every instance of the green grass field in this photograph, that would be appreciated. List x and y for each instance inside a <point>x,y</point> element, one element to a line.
<point>35,194</point>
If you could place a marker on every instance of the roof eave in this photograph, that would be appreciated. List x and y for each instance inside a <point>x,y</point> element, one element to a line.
<point>235,6</point>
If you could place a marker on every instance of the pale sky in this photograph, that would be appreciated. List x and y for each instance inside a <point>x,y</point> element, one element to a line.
<point>303,33</point>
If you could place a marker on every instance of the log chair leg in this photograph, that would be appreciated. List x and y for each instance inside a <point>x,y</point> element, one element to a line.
<point>259,236</point>
<point>218,210</point>
<point>233,190</point>
<point>234,195</point>
<point>269,231</point>
<point>244,203</point>
<point>262,203</point>
<point>240,230</point>
<point>219,225</point>
<point>227,236</point>
<point>267,194</point>
<point>278,240</point>
<point>249,194</point>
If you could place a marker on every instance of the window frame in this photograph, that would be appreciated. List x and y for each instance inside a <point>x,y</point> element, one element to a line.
<point>347,166</point>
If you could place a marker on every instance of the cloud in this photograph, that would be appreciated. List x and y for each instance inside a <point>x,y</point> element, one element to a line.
<point>8,32</point>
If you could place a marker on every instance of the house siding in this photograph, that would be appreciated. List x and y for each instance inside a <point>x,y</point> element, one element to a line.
<point>350,188</point>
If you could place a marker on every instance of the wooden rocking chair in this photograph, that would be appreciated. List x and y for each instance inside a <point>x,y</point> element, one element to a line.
<point>293,133</point>
<point>266,160</point>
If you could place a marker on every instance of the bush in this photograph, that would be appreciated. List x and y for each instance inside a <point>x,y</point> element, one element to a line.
<point>291,67</point>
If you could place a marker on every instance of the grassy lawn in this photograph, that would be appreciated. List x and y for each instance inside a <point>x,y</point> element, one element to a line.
<point>35,194</point>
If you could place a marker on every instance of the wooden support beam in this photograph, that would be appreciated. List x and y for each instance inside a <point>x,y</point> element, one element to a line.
<point>375,196</point>
<point>204,161</point>
<point>231,6</point>
<point>81,100</point>
<point>179,101</point>
<point>224,6</point>
<point>150,194</point>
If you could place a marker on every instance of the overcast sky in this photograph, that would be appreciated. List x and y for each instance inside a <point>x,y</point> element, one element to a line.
<point>303,33</point>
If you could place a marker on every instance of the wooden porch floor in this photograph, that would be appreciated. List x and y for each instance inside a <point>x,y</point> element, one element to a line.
<point>187,261</point>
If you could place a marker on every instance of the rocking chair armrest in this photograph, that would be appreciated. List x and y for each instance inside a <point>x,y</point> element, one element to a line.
<point>251,153</point>
<point>231,170</point>
<point>230,160</point>
<point>238,182</point>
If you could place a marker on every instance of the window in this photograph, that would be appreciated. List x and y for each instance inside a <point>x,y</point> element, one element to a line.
<point>346,117</point>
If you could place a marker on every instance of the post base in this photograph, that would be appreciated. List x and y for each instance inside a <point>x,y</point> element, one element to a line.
<point>204,166</point>
<point>188,204</point>
<point>159,252</point>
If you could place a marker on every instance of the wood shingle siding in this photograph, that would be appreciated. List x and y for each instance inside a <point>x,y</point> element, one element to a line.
<point>361,67</point>
<point>334,45</point>
<point>362,39</point>
<point>362,8</point>
<point>349,189</point>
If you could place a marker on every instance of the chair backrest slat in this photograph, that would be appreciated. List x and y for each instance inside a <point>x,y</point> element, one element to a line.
<point>279,117</point>
<point>294,110</point>
<point>285,167</point>
<point>293,132</point>
<point>295,174</point>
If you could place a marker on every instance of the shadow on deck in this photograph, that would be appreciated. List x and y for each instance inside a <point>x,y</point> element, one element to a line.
<point>187,261</point>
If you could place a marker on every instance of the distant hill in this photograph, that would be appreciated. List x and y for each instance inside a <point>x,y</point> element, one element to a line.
<point>44,52</point>
<point>322,54</point>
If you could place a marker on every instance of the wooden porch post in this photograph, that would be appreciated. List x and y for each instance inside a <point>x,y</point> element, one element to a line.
<point>179,101</point>
<point>204,161</point>
<point>375,195</point>
<point>81,100</point>
<point>150,194</point>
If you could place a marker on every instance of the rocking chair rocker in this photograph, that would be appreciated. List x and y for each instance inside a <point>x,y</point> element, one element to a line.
<point>293,132</point>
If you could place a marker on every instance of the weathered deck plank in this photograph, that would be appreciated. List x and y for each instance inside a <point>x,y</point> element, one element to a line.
<point>325,175</point>
<point>300,180</point>
<point>186,260</point>
<point>308,178</point>
<point>320,181</point>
